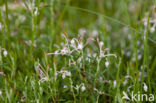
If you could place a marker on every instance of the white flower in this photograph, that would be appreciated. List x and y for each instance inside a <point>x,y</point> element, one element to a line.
<point>101,43</point>
<point>145,87</point>
<point>129,37</point>
<point>0,26</point>
<point>65,86</point>
<point>106,63</point>
<point>5,53</point>
<point>72,41</point>
<point>114,83</point>
<point>64,51</point>
<point>64,73</point>
<point>94,55</point>
<point>0,92</point>
<point>125,82</point>
<point>128,53</point>
<point>80,46</point>
<point>139,57</point>
<point>56,52</point>
<point>152,29</point>
<point>68,73</point>
<point>145,23</point>
<point>63,76</point>
<point>62,44</point>
<point>56,75</point>
<point>82,31</point>
<point>95,33</point>
<point>73,44</point>
<point>83,88</point>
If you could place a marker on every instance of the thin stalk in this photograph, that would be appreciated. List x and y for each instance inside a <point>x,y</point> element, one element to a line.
<point>7,19</point>
<point>54,76</point>
<point>84,66</point>
<point>98,66</point>
<point>71,82</point>
<point>33,26</point>
<point>2,28</point>
<point>52,27</point>
<point>97,101</point>
<point>77,67</point>
<point>145,60</point>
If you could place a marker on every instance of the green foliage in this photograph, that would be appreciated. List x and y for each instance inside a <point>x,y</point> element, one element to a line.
<point>76,51</point>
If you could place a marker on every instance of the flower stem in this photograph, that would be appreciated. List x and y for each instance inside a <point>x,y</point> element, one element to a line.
<point>71,82</point>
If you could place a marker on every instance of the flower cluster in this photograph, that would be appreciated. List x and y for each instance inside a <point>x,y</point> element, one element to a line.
<point>64,73</point>
<point>102,52</point>
<point>43,74</point>
<point>71,46</point>
<point>82,86</point>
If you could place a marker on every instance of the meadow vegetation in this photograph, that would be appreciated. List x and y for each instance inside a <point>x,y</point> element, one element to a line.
<point>77,51</point>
